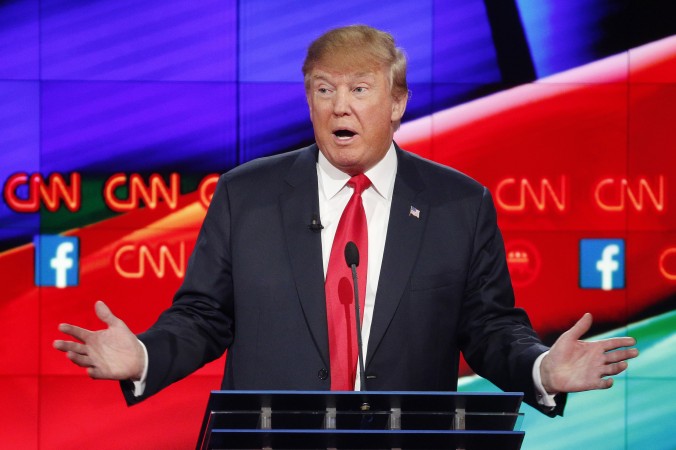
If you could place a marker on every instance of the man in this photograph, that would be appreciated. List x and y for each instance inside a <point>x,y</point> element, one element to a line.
<point>436,279</point>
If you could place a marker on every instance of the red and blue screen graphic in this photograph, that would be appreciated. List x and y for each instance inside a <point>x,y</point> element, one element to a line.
<point>116,119</point>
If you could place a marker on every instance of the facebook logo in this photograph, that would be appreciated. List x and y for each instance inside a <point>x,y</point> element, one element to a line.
<point>602,264</point>
<point>56,261</point>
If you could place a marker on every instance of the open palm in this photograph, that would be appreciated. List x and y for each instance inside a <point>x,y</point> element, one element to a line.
<point>113,353</point>
<point>573,365</point>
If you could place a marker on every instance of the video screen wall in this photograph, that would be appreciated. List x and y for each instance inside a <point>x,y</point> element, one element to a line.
<point>117,117</point>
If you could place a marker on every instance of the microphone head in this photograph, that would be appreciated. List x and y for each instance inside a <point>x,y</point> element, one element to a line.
<point>351,254</point>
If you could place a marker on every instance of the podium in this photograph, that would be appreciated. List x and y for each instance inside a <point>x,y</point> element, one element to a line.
<point>361,420</point>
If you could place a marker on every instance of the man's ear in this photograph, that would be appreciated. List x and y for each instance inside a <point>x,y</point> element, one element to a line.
<point>399,107</point>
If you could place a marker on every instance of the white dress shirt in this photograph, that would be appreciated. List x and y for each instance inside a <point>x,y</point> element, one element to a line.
<point>334,193</point>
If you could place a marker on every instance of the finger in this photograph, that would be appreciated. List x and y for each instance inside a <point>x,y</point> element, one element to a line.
<point>581,327</point>
<point>621,355</point>
<point>81,334</point>
<point>69,346</point>
<point>614,343</point>
<point>605,383</point>
<point>80,360</point>
<point>617,368</point>
<point>60,345</point>
<point>105,314</point>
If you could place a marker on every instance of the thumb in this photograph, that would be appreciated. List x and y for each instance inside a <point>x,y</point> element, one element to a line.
<point>581,327</point>
<point>105,314</point>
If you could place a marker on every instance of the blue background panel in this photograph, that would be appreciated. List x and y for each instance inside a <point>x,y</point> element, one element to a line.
<point>274,36</point>
<point>130,40</point>
<point>138,126</point>
<point>274,117</point>
<point>19,147</point>
<point>566,34</point>
<point>419,101</point>
<point>19,33</point>
<point>463,43</point>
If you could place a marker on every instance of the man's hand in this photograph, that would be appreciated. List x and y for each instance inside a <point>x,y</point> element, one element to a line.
<point>110,354</point>
<point>573,365</point>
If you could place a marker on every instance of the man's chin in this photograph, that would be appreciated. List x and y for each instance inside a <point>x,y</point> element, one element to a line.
<point>351,166</point>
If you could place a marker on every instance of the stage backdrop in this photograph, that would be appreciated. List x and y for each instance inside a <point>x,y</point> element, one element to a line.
<point>117,116</point>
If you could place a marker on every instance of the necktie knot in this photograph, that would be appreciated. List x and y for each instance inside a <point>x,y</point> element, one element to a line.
<point>359,183</point>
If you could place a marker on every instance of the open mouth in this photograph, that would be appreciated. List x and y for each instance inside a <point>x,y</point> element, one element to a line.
<point>344,134</point>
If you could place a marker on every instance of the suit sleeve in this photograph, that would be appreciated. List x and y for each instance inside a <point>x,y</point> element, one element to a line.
<point>496,338</point>
<point>198,327</point>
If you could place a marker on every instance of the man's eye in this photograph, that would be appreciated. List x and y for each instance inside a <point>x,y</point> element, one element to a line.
<point>360,89</point>
<point>322,90</point>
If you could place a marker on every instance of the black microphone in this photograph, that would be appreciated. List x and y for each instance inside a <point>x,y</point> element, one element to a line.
<point>351,254</point>
<point>352,260</point>
<point>315,224</point>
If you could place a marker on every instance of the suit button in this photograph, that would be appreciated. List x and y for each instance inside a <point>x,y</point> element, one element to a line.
<point>323,374</point>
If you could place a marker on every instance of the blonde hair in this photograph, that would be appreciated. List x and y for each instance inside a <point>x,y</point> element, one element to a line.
<point>359,47</point>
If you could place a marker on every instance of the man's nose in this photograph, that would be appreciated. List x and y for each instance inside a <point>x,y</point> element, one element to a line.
<point>341,103</point>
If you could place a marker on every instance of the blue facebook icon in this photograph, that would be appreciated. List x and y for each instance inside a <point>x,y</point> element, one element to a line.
<point>56,261</point>
<point>602,264</point>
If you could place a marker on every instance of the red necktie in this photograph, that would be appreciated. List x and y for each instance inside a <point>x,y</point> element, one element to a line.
<point>339,289</point>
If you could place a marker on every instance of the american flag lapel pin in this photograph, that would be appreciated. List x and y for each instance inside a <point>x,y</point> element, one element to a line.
<point>415,212</point>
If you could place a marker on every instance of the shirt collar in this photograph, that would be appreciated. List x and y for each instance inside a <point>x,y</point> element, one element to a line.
<point>381,175</point>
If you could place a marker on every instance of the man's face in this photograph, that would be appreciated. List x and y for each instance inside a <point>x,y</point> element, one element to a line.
<point>352,113</point>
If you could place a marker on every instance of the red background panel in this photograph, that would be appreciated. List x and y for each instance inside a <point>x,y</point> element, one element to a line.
<point>70,419</point>
<point>652,150</point>
<point>19,412</point>
<point>653,62</point>
<point>19,314</point>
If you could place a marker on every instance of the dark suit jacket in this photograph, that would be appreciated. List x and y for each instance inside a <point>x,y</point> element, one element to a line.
<point>255,286</point>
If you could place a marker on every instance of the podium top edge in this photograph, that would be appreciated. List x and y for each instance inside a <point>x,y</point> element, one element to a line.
<point>221,400</point>
<point>369,393</point>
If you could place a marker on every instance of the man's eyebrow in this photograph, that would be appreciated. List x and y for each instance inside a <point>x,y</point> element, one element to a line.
<point>320,77</point>
<point>327,77</point>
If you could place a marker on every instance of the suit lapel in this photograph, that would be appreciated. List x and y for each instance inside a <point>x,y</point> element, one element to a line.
<point>404,233</point>
<point>298,203</point>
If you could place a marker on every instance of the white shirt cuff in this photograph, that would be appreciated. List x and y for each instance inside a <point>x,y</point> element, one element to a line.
<point>140,386</point>
<point>541,395</point>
